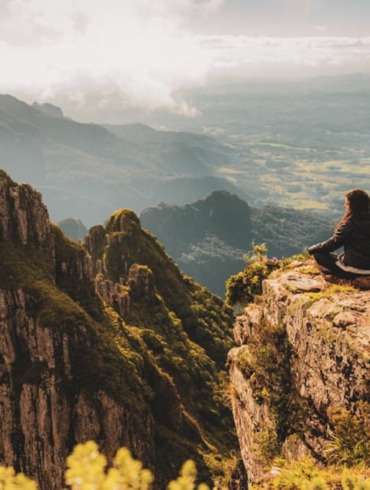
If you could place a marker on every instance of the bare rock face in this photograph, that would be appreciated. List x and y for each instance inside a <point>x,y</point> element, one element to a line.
<point>23,216</point>
<point>303,351</point>
<point>113,294</point>
<point>140,280</point>
<point>45,408</point>
<point>41,417</point>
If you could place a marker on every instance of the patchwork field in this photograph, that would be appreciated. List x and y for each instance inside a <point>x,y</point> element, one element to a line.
<point>300,144</point>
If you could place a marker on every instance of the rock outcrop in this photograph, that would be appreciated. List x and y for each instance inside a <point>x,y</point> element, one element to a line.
<point>303,356</point>
<point>44,407</point>
<point>23,216</point>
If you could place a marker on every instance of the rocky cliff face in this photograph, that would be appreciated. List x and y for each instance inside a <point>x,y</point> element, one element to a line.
<point>116,346</point>
<point>302,358</point>
<point>23,216</point>
<point>44,408</point>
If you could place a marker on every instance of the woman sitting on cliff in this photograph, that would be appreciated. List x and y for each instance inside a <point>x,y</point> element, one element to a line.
<point>353,233</point>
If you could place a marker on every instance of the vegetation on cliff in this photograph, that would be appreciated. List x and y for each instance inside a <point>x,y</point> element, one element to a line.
<point>124,322</point>
<point>184,328</point>
<point>246,286</point>
<point>307,474</point>
<point>243,287</point>
<point>68,303</point>
<point>205,318</point>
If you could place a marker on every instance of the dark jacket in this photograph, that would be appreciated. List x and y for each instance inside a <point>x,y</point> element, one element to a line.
<point>354,236</point>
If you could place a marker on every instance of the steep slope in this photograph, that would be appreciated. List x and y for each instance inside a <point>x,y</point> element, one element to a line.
<point>87,171</point>
<point>133,356</point>
<point>209,237</point>
<point>300,373</point>
<point>178,151</point>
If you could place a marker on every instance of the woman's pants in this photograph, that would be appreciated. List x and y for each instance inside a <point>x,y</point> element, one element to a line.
<point>327,263</point>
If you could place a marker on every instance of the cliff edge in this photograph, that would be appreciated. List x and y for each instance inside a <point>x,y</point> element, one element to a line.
<point>300,371</point>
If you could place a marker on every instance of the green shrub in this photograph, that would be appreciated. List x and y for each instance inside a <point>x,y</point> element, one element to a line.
<point>307,474</point>
<point>244,286</point>
<point>350,443</point>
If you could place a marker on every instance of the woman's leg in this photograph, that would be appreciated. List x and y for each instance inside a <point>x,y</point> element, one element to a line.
<point>327,263</point>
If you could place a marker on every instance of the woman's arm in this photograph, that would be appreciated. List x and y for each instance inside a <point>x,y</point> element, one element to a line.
<point>340,237</point>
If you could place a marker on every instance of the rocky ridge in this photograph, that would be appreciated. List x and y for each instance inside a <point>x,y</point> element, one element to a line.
<point>44,408</point>
<point>92,346</point>
<point>23,216</point>
<point>302,358</point>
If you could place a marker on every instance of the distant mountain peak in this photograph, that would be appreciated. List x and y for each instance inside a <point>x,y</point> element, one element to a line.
<point>215,194</point>
<point>123,220</point>
<point>73,228</point>
<point>220,194</point>
<point>225,202</point>
<point>50,109</point>
<point>9,102</point>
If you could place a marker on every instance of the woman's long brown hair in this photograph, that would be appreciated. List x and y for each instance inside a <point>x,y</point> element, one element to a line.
<point>358,205</point>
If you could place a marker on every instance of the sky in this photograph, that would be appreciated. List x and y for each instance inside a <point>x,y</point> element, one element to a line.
<point>142,53</point>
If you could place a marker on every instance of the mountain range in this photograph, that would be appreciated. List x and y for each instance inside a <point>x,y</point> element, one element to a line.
<point>298,144</point>
<point>88,171</point>
<point>108,339</point>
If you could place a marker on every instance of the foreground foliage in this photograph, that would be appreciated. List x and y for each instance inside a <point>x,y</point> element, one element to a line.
<point>306,474</point>
<point>9,480</point>
<point>86,470</point>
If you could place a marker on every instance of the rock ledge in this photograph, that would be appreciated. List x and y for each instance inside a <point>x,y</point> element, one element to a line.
<point>303,350</point>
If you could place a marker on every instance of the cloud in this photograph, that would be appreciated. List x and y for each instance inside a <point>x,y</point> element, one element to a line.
<point>304,5</point>
<point>138,50</point>
<point>123,54</point>
<point>320,28</point>
<point>274,56</point>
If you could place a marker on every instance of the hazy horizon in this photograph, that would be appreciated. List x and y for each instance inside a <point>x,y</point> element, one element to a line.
<point>119,56</point>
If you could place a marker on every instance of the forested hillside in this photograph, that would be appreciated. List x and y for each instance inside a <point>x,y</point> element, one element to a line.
<point>209,237</point>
